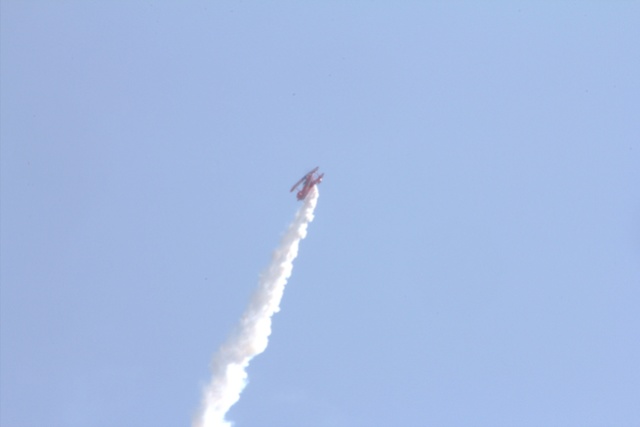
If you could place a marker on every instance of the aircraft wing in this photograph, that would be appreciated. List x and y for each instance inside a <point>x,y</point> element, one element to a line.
<point>297,183</point>
<point>303,178</point>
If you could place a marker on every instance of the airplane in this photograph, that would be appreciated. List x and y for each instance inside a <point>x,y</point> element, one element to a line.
<point>309,181</point>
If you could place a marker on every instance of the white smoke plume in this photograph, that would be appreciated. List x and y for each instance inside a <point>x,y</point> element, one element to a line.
<point>252,334</point>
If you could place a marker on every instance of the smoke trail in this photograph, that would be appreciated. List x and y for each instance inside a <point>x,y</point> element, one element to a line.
<point>252,334</point>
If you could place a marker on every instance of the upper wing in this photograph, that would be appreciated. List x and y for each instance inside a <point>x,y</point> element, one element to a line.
<point>298,183</point>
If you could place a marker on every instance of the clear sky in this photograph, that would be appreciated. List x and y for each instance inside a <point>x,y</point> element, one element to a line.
<point>474,260</point>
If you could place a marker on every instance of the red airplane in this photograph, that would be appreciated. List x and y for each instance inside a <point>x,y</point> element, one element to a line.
<point>309,180</point>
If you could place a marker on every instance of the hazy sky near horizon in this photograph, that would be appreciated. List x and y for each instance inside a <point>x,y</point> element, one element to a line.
<point>474,259</point>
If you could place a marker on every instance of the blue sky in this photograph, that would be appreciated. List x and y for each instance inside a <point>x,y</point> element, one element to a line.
<point>474,257</point>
